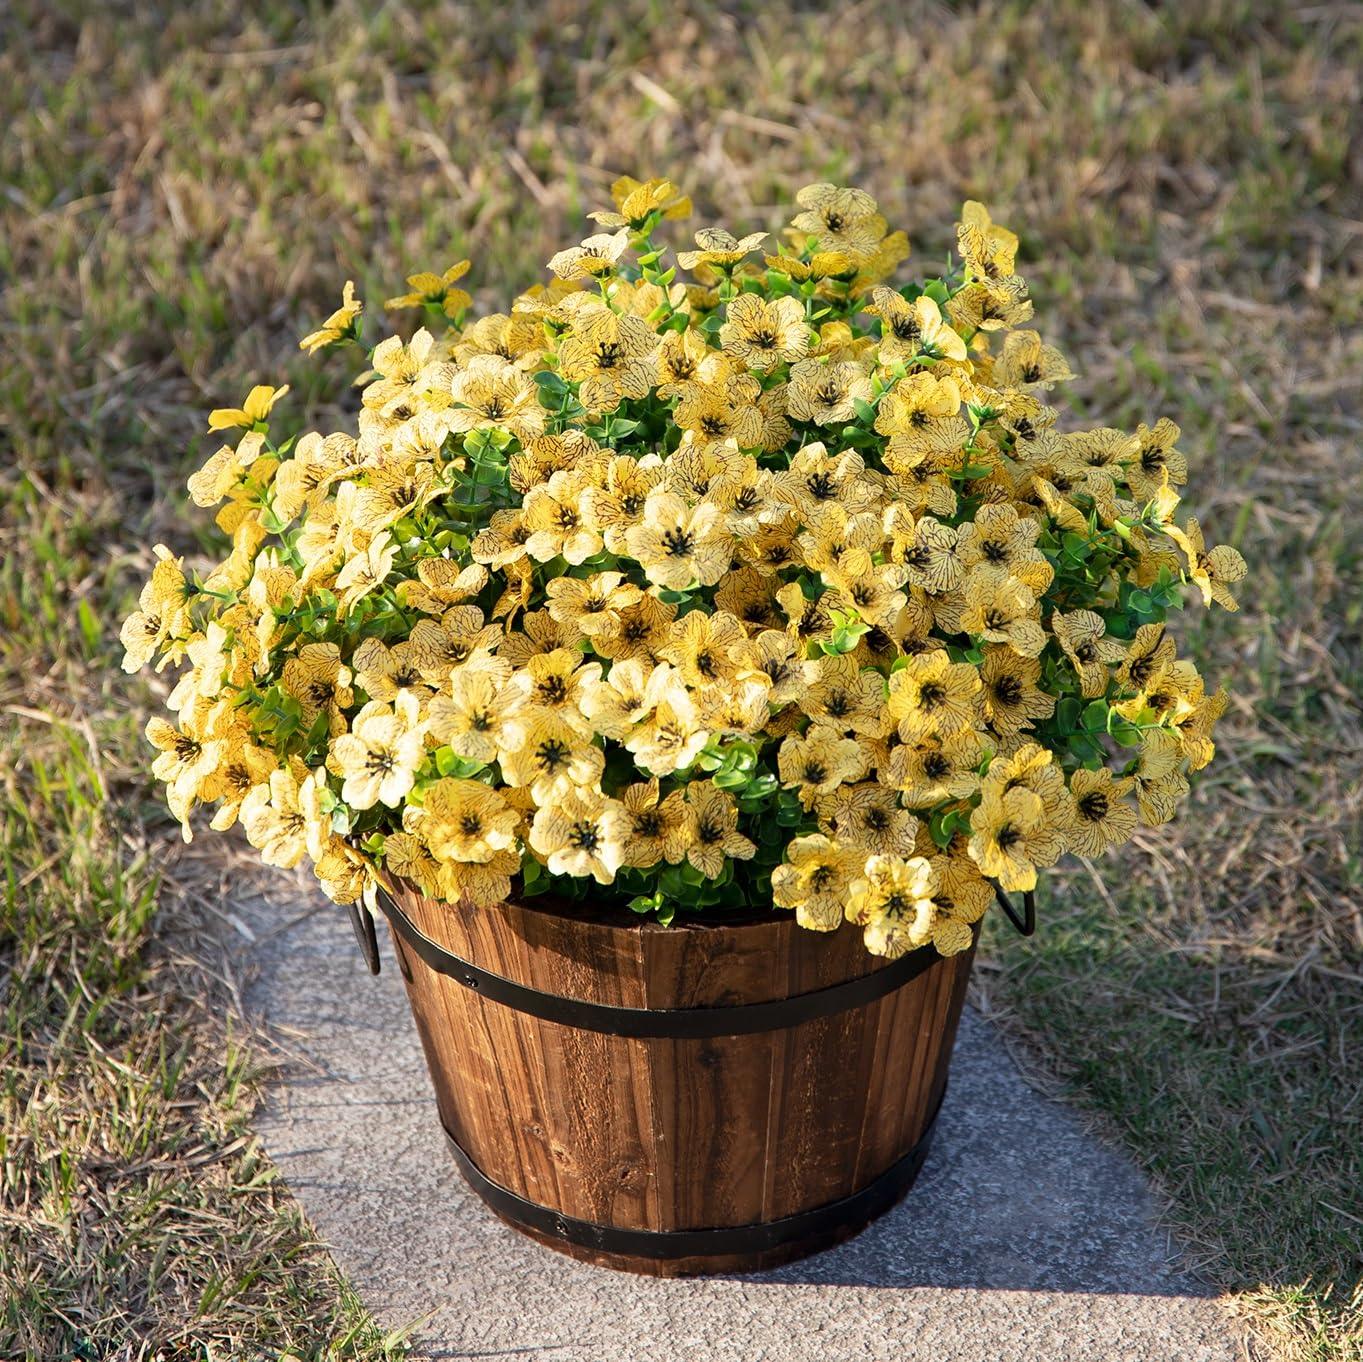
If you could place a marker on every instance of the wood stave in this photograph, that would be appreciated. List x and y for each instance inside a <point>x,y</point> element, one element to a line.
<point>769,1124</point>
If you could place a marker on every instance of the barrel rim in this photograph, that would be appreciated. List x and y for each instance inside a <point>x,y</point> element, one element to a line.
<point>613,919</point>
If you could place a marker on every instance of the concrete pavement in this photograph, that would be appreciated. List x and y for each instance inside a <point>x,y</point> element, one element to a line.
<point>1023,1239</point>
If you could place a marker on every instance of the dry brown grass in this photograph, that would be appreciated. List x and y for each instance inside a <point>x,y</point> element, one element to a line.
<point>180,190</point>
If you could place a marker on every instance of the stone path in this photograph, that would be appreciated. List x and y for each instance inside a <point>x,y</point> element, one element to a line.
<point>1024,1240</point>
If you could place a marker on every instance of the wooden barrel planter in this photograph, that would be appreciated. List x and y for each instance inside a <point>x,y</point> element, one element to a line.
<point>712,1097</point>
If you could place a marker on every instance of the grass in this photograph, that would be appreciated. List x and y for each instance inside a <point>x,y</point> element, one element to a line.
<point>183,189</point>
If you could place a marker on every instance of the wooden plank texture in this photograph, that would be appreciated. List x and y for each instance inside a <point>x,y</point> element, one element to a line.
<point>686,1133</point>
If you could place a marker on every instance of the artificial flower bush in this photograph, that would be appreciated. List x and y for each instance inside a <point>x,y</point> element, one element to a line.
<point>746,579</point>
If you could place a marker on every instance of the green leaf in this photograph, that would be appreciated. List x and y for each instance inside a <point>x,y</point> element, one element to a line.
<point>1095,716</point>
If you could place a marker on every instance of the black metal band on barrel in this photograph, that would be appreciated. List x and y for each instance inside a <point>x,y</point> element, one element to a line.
<point>848,1213</point>
<point>677,1022</point>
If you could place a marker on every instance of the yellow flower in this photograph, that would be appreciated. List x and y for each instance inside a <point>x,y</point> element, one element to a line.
<point>843,220</point>
<point>636,202</point>
<point>161,614</point>
<point>1030,767</point>
<point>317,678</point>
<point>341,325</point>
<point>555,517</point>
<point>677,544</point>
<point>723,410</point>
<point>391,488</point>
<point>1212,570</point>
<point>1002,609</point>
<point>737,710</point>
<point>406,857</point>
<point>867,818</point>
<point>772,548</point>
<point>479,884</point>
<point>910,330</point>
<point>554,756</point>
<point>932,696</point>
<point>988,250</point>
<point>750,596</point>
<point>1011,834</point>
<point>709,650</point>
<point>820,265</point>
<point>343,872</point>
<point>582,833</point>
<point>926,548</point>
<point>1001,540</point>
<point>748,497</point>
<point>610,357</point>
<point>1012,700</point>
<point>252,413</point>
<point>961,898</point>
<point>1148,655</point>
<point>597,255</point>
<point>518,340</point>
<point>464,820</point>
<point>435,290</point>
<point>242,766</point>
<point>639,631</point>
<point>306,479</point>
<point>185,763</point>
<point>817,479</point>
<point>1160,782</point>
<point>874,596</point>
<point>489,393</point>
<point>1081,634</point>
<point>1027,362</point>
<point>539,632</point>
<point>990,305</point>
<point>1103,448</point>
<point>400,368</point>
<point>814,880</point>
<point>275,821</point>
<point>760,334</point>
<point>593,604</point>
<point>556,682</point>
<point>441,583</point>
<point>377,760</point>
<point>712,825</point>
<point>504,539</point>
<point>826,393</point>
<point>658,827</point>
<point>935,770</point>
<point>845,698</point>
<point>1157,458</point>
<point>918,404</point>
<point>782,661</point>
<point>481,716</point>
<point>618,503</point>
<point>366,572</point>
<point>718,247</point>
<point>892,900</point>
<point>684,357</point>
<point>226,470</point>
<point>671,735</point>
<point>818,762</point>
<point>1100,816</point>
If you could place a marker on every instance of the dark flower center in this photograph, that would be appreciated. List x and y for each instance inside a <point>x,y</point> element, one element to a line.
<point>584,836</point>
<point>678,543</point>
